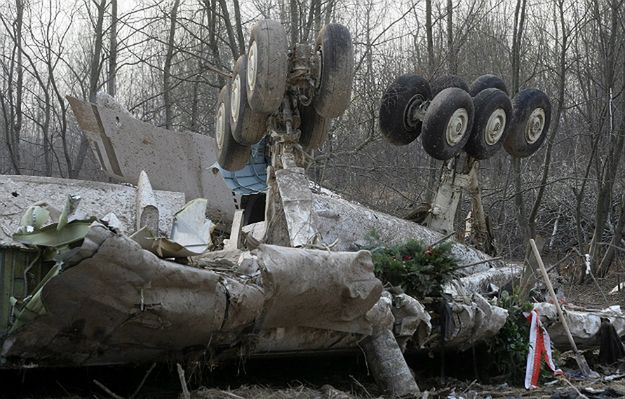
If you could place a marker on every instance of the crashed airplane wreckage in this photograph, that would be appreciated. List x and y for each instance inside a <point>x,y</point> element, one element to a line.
<point>99,273</point>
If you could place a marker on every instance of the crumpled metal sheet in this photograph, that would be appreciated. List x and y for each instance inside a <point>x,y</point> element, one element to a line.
<point>190,233</point>
<point>109,301</point>
<point>348,226</point>
<point>584,324</point>
<point>114,302</point>
<point>412,321</point>
<point>320,289</point>
<point>19,193</point>
<point>297,206</point>
<point>481,281</point>
<point>474,321</point>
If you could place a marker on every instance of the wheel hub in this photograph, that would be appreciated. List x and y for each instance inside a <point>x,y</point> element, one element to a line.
<point>457,126</point>
<point>413,112</point>
<point>252,60</point>
<point>495,127</point>
<point>220,128</point>
<point>235,98</point>
<point>319,67</point>
<point>535,125</point>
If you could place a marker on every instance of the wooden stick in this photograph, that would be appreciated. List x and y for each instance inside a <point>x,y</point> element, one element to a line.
<point>145,377</point>
<point>108,391</point>
<point>581,361</point>
<point>183,382</point>
<point>442,239</point>
<point>480,262</point>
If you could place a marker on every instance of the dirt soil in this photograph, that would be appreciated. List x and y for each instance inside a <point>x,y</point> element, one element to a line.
<point>595,293</point>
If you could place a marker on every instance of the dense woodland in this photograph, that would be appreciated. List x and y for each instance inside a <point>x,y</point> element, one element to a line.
<point>166,60</point>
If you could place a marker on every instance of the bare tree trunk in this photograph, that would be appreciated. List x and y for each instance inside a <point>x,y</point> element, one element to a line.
<point>432,164</point>
<point>94,77</point>
<point>317,18</point>
<point>112,72</point>
<point>16,118</point>
<point>238,26</point>
<point>294,21</point>
<point>610,253</point>
<point>96,60</point>
<point>309,21</point>
<point>519,26</point>
<point>211,8</point>
<point>452,57</point>
<point>167,85</point>
<point>430,39</point>
<point>609,168</point>
<point>555,123</point>
<point>519,22</point>
<point>329,11</point>
<point>232,41</point>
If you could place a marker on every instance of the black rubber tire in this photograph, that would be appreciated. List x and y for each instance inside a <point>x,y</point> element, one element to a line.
<point>487,82</point>
<point>398,97</point>
<point>231,155</point>
<point>248,127</point>
<point>489,103</point>
<point>524,104</point>
<point>314,128</point>
<point>444,82</point>
<point>336,63</point>
<point>438,117</point>
<point>268,51</point>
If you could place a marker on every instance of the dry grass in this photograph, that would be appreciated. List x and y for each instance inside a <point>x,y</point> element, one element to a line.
<point>255,391</point>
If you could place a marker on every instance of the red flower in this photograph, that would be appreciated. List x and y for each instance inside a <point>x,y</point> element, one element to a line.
<point>406,258</point>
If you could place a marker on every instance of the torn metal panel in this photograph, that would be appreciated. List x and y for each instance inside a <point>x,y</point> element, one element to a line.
<point>51,236</point>
<point>484,281</point>
<point>147,210</point>
<point>109,301</point>
<point>175,161</point>
<point>297,206</point>
<point>115,302</point>
<point>584,324</point>
<point>473,322</point>
<point>303,339</point>
<point>348,226</point>
<point>320,289</point>
<point>412,321</point>
<point>190,233</point>
<point>19,193</point>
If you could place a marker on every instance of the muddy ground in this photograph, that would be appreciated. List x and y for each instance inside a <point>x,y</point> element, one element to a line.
<point>341,376</point>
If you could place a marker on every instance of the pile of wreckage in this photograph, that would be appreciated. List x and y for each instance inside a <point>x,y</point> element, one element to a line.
<point>99,273</point>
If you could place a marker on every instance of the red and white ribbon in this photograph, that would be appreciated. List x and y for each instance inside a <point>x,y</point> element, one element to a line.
<point>540,345</point>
